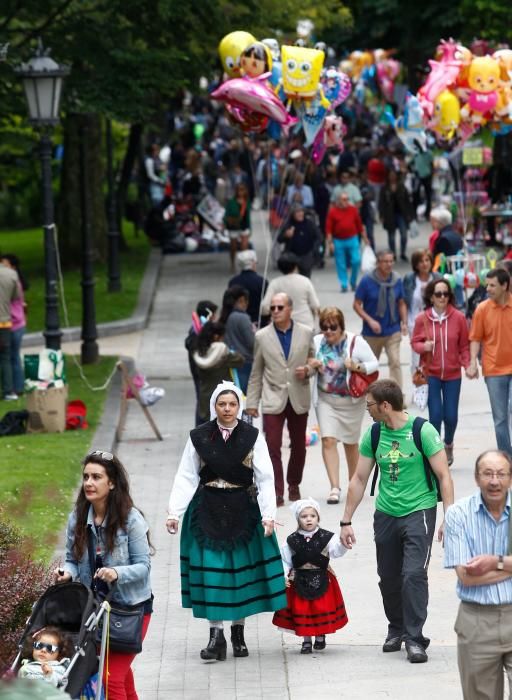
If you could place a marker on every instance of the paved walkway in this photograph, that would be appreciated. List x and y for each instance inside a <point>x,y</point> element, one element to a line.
<point>353,665</point>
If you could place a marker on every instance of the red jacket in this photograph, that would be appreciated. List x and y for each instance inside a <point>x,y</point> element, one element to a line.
<point>451,342</point>
<point>343,223</point>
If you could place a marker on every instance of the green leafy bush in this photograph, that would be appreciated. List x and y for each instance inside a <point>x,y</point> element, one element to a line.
<point>22,582</point>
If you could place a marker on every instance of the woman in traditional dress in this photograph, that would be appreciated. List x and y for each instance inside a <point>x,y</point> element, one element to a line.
<point>230,561</point>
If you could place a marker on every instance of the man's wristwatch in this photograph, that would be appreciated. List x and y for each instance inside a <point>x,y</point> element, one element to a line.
<point>500,565</point>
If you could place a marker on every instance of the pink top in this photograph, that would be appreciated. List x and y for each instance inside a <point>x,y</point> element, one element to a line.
<point>18,318</point>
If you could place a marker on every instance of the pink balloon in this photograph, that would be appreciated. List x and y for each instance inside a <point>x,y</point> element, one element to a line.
<point>253,95</point>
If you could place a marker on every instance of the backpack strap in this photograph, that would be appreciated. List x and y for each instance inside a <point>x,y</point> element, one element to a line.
<point>375,437</point>
<point>432,479</point>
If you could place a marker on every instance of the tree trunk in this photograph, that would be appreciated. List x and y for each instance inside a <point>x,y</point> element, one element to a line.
<point>128,170</point>
<point>69,216</point>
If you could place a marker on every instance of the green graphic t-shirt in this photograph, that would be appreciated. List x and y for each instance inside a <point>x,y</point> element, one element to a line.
<point>403,486</point>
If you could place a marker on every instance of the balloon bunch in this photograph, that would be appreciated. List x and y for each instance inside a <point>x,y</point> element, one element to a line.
<point>264,82</point>
<point>464,92</point>
<point>372,73</point>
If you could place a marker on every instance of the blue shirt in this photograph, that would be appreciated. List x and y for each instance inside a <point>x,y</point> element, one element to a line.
<point>368,292</point>
<point>471,530</point>
<point>285,338</point>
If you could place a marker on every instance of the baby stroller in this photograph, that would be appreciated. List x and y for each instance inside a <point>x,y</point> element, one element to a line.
<point>73,608</point>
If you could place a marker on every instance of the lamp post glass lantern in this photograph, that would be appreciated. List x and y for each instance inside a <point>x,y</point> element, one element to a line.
<point>42,81</point>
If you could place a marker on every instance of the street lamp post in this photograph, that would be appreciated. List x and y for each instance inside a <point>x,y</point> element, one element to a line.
<point>114,272</point>
<point>42,81</point>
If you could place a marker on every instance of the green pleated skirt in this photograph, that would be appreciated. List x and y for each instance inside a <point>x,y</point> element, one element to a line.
<point>230,584</point>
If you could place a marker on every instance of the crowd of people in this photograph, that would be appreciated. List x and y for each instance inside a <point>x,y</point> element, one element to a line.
<point>271,350</point>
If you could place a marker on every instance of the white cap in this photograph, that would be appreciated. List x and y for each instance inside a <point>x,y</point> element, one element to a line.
<point>298,506</point>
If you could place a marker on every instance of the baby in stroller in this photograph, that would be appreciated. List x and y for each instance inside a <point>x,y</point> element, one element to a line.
<point>46,655</point>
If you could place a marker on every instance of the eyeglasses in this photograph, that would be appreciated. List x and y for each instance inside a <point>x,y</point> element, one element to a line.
<point>372,403</point>
<point>50,648</point>
<point>441,294</point>
<point>277,307</point>
<point>328,327</point>
<point>104,455</point>
<point>487,476</point>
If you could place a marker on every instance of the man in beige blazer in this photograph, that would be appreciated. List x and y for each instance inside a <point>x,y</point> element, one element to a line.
<point>280,379</point>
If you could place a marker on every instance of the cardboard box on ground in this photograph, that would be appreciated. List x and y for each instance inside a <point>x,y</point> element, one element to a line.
<point>47,410</point>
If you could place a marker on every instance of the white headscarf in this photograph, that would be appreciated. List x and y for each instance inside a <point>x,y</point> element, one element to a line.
<point>298,506</point>
<point>226,386</point>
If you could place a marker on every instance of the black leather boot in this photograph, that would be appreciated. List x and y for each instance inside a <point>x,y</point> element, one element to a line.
<point>216,647</point>
<point>238,642</point>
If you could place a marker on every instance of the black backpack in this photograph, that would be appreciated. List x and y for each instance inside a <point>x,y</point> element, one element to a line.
<point>14,423</point>
<point>417,425</point>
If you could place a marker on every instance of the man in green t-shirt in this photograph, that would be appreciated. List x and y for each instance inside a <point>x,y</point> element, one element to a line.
<point>405,513</point>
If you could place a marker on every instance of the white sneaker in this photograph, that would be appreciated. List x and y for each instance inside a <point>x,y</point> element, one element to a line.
<point>11,397</point>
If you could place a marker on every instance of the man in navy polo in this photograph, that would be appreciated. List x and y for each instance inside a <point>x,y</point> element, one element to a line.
<point>379,301</point>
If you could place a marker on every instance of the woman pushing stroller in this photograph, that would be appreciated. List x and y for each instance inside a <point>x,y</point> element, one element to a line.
<point>106,525</point>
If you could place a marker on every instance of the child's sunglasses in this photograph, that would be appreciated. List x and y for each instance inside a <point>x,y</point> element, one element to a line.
<point>50,648</point>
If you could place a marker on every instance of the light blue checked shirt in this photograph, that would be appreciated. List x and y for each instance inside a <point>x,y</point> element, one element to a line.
<point>471,530</point>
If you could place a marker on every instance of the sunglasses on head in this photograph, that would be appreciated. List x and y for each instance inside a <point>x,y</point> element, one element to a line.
<point>277,307</point>
<point>441,294</point>
<point>50,648</point>
<point>328,327</point>
<point>104,455</point>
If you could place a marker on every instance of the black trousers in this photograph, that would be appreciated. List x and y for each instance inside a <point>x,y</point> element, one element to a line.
<point>403,554</point>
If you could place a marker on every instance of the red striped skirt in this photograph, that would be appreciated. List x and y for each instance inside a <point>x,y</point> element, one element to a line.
<point>308,618</point>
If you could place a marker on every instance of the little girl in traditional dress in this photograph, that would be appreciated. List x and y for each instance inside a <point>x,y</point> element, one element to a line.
<point>315,604</point>
<point>46,655</point>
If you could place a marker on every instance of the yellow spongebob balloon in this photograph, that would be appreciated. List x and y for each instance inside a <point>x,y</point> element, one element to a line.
<point>230,49</point>
<point>446,114</point>
<point>301,71</point>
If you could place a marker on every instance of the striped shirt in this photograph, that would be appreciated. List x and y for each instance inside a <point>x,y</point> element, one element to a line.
<point>471,530</point>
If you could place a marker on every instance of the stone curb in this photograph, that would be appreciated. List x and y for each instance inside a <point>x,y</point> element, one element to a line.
<point>136,322</point>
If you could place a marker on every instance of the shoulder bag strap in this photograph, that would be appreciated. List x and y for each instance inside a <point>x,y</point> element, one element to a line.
<point>375,437</point>
<point>351,349</point>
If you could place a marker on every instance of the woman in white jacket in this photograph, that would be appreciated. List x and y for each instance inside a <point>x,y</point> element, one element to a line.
<point>339,415</point>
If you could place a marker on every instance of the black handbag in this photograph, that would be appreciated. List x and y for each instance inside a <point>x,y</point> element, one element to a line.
<point>125,622</point>
<point>125,633</point>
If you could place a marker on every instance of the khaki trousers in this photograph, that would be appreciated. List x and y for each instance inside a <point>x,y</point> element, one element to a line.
<point>391,344</point>
<point>484,649</point>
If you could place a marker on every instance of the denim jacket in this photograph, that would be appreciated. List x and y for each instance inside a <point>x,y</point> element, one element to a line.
<point>130,558</point>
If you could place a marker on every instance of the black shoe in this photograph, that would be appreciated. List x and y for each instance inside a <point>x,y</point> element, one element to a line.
<point>392,644</point>
<point>319,644</point>
<point>416,653</point>
<point>216,647</point>
<point>238,642</point>
<point>307,648</point>
<point>279,501</point>
<point>404,257</point>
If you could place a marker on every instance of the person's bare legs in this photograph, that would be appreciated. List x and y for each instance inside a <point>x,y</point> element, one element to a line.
<point>244,242</point>
<point>352,455</point>
<point>331,460</point>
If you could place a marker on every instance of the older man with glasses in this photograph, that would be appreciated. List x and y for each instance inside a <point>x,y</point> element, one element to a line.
<point>280,379</point>
<point>478,542</point>
<point>405,511</point>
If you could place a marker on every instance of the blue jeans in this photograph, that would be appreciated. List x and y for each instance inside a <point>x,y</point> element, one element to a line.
<point>401,225</point>
<point>5,361</point>
<point>18,375</point>
<point>500,392</point>
<point>443,405</point>
<point>347,253</point>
